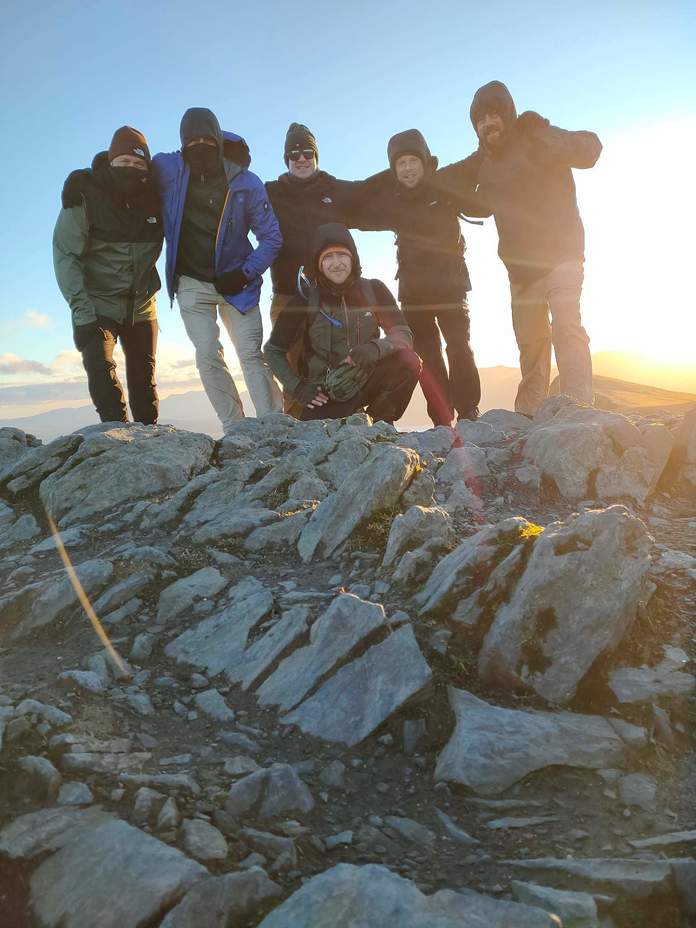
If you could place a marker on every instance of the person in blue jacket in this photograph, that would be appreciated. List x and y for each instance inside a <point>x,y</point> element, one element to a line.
<point>210,202</point>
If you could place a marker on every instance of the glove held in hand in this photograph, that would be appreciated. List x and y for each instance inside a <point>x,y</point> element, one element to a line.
<point>231,282</point>
<point>305,392</point>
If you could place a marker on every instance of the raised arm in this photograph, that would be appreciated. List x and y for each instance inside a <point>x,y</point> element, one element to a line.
<point>457,183</point>
<point>579,149</point>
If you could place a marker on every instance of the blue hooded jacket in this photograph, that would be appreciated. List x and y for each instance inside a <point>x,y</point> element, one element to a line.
<point>246,209</point>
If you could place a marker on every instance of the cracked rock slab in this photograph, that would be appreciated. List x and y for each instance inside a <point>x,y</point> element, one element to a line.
<point>223,901</point>
<point>363,694</point>
<point>372,487</point>
<point>347,622</point>
<point>577,597</point>
<point>491,747</point>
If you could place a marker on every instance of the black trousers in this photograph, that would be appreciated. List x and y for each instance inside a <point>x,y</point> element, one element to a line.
<point>139,343</point>
<point>384,397</point>
<point>459,390</point>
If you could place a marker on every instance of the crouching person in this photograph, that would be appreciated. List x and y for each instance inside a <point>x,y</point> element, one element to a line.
<point>346,365</point>
<point>105,247</point>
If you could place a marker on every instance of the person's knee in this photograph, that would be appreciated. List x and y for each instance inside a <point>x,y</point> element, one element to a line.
<point>408,361</point>
<point>210,358</point>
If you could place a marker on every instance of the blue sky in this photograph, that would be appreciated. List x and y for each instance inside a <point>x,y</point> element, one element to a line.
<point>356,73</point>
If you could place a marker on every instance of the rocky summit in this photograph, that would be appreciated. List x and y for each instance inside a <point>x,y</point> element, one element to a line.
<point>349,676</point>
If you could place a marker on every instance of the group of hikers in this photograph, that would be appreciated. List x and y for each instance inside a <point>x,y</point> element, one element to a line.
<point>340,342</point>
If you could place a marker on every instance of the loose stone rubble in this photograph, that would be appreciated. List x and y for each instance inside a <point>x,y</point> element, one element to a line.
<point>364,677</point>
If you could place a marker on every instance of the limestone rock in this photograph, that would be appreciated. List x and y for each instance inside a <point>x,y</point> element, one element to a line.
<point>126,878</point>
<point>463,465</point>
<point>491,747</point>
<point>270,793</point>
<point>334,635</point>
<point>576,910</point>
<point>211,703</point>
<point>576,599</point>
<point>360,696</point>
<point>218,642</point>
<point>638,879</point>
<point>260,656</point>
<point>647,684</point>
<point>372,487</point>
<point>223,901</point>
<point>40,777</point>
<point>465,569</point>
<point>41,604</point>
<point>203,841</point>
<point>569,453</point>
<point>179,596</point>
<point>347,896</point>
<point>638,789</point>
<point>282,534</point>
<point>413,528</point>
<point>120,464</point>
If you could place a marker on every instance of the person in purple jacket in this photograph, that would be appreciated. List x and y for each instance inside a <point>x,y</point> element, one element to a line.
<point>210,202</point>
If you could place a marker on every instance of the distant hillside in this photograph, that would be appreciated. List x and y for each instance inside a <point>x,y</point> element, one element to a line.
<point>623,396</point>
<point>192,410</point>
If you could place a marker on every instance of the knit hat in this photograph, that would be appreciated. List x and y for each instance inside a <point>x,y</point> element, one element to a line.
<point>410,142</point>
<point>299,137</point>
<point>333,249</point>
<point>128,141</point>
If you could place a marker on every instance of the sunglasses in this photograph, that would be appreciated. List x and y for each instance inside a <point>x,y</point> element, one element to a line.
<point>296,153</point>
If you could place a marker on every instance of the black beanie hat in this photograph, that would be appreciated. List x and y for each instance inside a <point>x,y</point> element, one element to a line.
<point>410,142</point>
<point>129,141</point>
<point>299,136</point>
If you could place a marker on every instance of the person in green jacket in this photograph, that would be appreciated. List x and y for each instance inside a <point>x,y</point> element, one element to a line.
<point>106,243</point>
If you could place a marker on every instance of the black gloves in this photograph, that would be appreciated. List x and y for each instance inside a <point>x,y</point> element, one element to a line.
<point>231,282</point>
<point>75,185</point>
<point>305,392</point>
<point>531,121</point>
<point>364,355</point>
<point>83,334</point>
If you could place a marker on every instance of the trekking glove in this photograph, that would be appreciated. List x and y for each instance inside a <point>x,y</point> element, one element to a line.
<point>305,392</point>
<point>530,121</point>
<point>365,355</point>
<point>231,282</point>
<point>83,334</point>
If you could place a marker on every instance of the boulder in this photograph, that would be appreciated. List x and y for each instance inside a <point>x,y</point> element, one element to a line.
<point>363,694</point>
<point>463,570</point>
<point>577,597</point>
<point>181,595</point>
<point>371,896</point>
<point>413,528</point>
<point>218,642</point>
<point>223,901</point>
<point>569,454</point>
<point>463,465</point>
<point>347,622</point>
<point>576,910</point>
<point>269,793</point>
<point>491,747</point>
<point>120,464</point>
<point>647,684</point>
<point>374,486</point>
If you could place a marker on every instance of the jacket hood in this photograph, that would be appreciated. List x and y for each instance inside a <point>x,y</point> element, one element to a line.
<point>493,96</point>
<point>334,233</point>
<point>197,121</point>
<point>410,142</point>
<point>235,148</point>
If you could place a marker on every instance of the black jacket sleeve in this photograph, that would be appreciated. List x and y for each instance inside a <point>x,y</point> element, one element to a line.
<point>397,334</point>
<point>457,182</point>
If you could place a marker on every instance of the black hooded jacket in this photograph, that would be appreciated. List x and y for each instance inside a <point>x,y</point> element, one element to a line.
<point>430,244</point>
<point>333,320</point>
<point>527,186</point>
<point>301,206</point>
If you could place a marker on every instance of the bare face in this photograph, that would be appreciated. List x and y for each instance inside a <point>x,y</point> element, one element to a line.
<point>336,266</point>
<point>491,129</point>
<point>409,170</point>
<point>129,161</point>
<point>302,162</point>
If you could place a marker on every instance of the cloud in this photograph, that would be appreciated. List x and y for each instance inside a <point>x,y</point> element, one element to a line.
<point>38,320</point>
<point>12,364</point>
